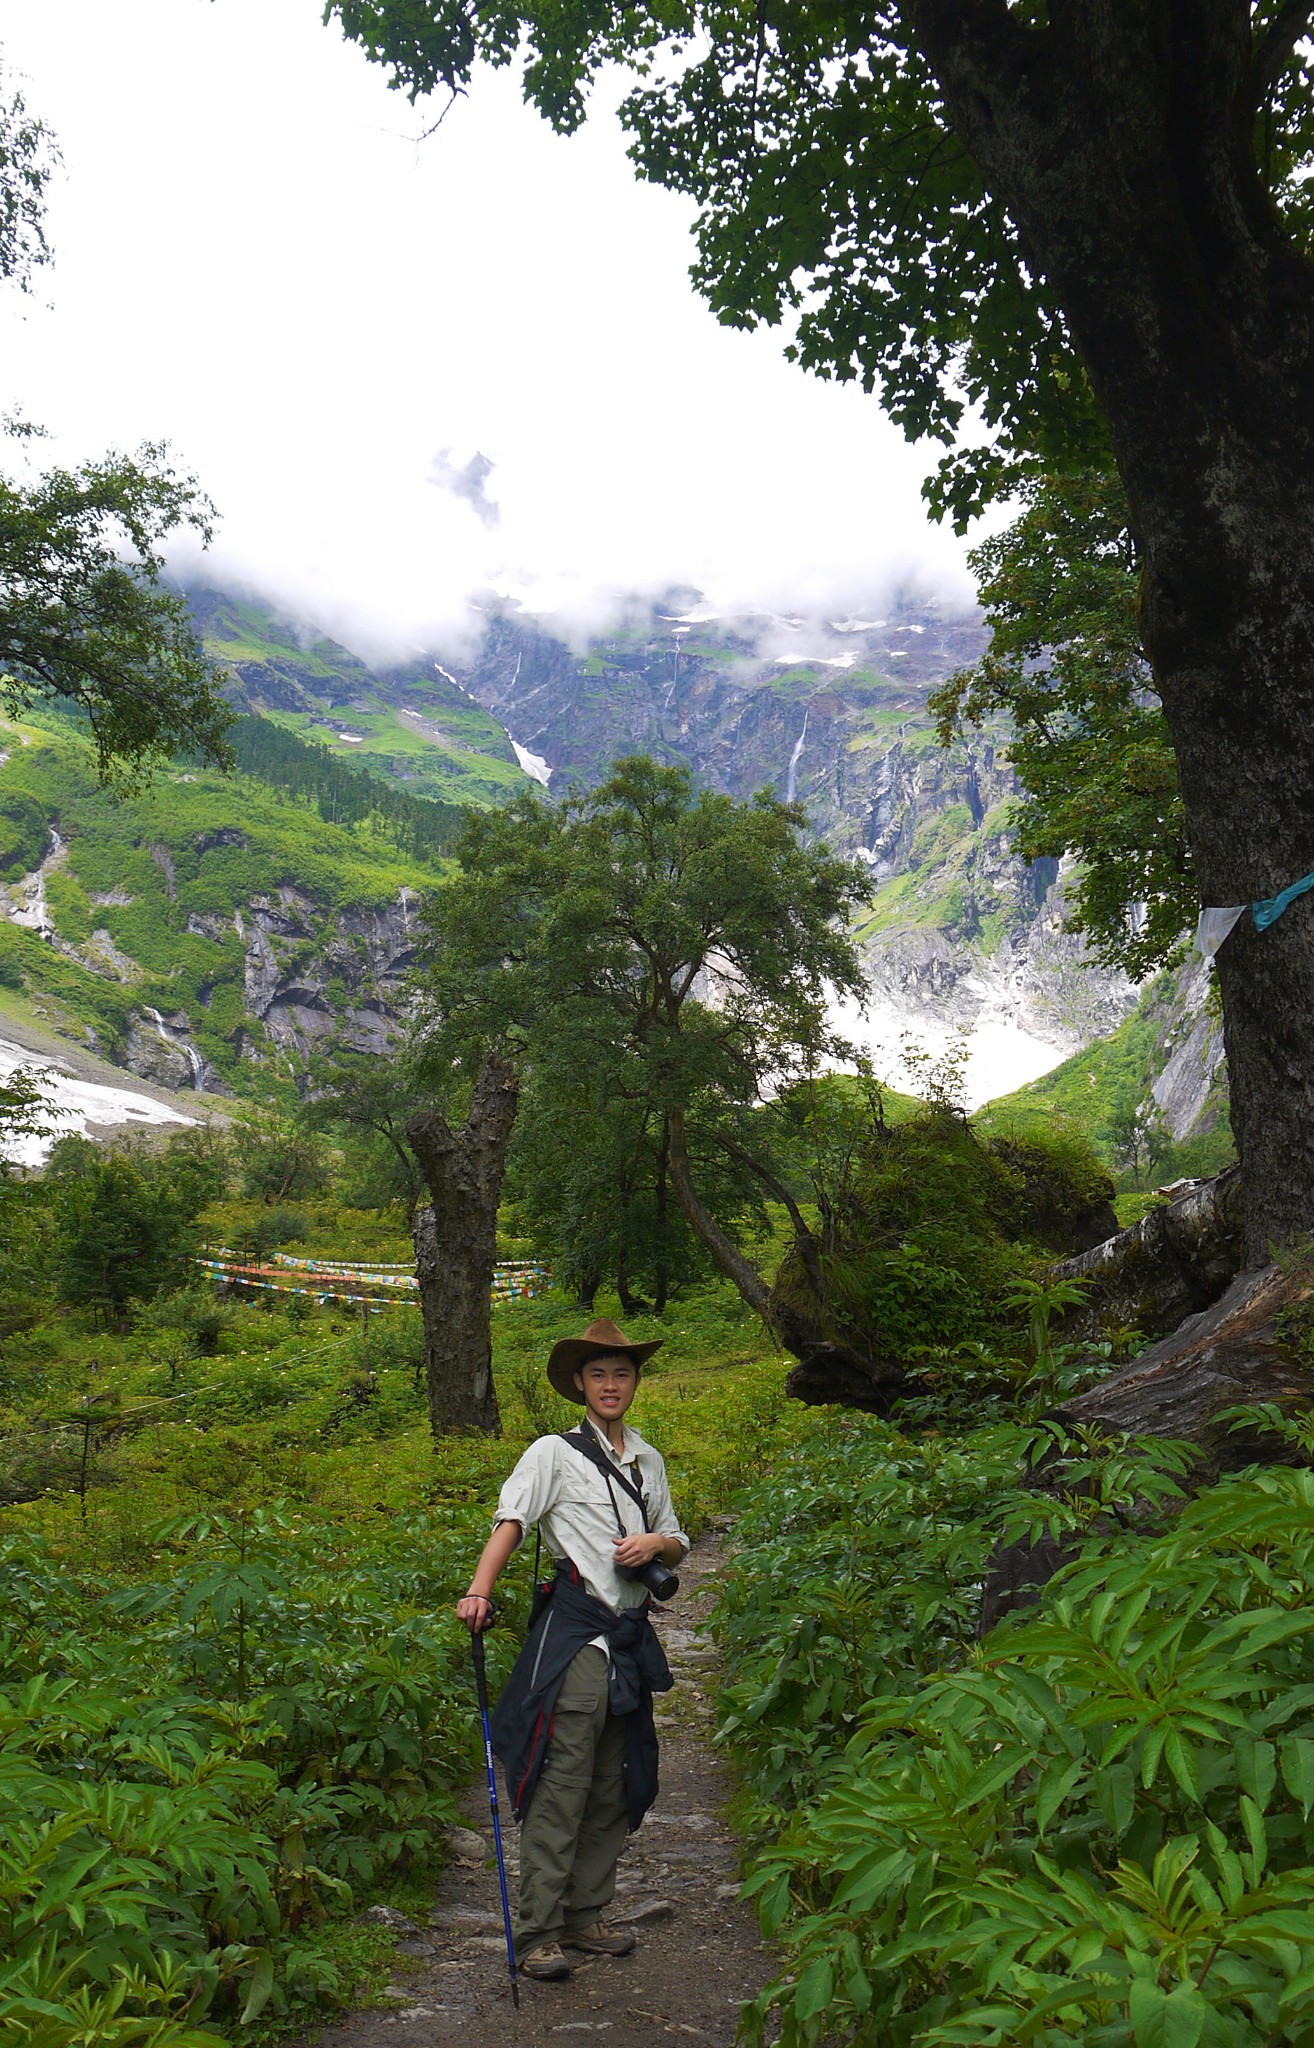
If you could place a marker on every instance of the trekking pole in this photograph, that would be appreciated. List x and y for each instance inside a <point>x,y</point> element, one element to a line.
<point>481,1689</point>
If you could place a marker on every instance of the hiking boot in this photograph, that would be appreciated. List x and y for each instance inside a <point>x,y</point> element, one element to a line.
<point>601,1940</point>
<point>546,1963</point>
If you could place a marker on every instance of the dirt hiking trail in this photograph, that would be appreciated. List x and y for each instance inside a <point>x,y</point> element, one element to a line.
<point>699,1952</point>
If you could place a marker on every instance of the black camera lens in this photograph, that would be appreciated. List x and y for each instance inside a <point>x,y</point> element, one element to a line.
<point>659,1579</point>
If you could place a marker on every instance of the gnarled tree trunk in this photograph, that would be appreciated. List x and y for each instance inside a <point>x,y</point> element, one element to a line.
<point>1174,1262</point>
<point>1120,137</point>
<point>456,1247</point>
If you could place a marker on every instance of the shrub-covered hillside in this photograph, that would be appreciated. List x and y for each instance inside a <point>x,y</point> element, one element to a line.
<point>235,1704</point>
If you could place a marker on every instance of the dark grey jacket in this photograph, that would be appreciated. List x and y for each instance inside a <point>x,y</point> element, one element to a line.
<point>569,1619</point>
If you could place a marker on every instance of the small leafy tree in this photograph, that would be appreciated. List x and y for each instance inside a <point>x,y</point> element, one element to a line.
<point>124,1226</point>
<point>365,1101</point>
<point>26,1111</point>
<point>1138,1133</point>
<point>647,951</point>
<point>1066,668</point>
<point>280,1158</point>
<point>593,1194</point>
<point>84,620</point>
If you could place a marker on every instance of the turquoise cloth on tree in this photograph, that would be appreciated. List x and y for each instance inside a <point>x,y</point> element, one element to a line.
<point>1271,909</point>
<point>1218,921</point>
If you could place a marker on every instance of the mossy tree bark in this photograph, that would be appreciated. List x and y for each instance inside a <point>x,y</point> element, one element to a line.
<point>456,1247</point>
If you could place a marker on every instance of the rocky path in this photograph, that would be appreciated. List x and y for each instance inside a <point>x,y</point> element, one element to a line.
<point>699,1952</point>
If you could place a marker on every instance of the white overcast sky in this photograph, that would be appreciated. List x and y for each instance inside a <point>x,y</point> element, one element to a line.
<point>256,261</point>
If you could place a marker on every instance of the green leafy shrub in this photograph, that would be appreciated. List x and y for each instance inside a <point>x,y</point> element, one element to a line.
<point>279,1159</point>
<point>124,1224</point>
<point>926,1227</point>
<point>195,1770</point>
<point>193,1313</point>
<point>1090,1827</point>
<point>1063,1196</point>
<point>24,834</point>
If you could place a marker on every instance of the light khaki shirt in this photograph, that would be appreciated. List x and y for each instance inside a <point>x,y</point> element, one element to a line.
<point>555,1486</point>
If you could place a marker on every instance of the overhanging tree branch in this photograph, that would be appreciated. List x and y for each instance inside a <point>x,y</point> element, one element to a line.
<point>803,1236</point>
<point>1275,48</point>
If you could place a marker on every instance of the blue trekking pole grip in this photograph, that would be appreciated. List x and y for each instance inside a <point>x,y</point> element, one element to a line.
<point>481,1689</point>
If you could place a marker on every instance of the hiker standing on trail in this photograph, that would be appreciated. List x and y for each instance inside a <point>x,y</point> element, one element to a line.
<point>574,1726</point>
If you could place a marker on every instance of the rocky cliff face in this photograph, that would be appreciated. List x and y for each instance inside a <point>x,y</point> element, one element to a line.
<point>203,926</point>
<point>1190,1044</point>
<point>310,974</point>
<point>962,933</point>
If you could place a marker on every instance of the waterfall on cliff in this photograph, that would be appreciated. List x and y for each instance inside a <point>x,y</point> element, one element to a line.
<point>791,776</point>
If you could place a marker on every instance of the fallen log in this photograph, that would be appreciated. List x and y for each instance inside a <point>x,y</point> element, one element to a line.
<point>1240,1352</point>
<point>1233,1353</point>
<point>1173,1263</point>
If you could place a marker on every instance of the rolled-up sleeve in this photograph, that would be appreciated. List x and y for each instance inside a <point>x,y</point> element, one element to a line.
<point>529,1491</point>
<point>661,1509</point>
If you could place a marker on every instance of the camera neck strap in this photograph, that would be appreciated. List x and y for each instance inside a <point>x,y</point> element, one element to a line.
<point>583,1441</point>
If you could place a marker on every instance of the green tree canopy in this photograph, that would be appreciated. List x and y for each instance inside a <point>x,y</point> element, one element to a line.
<point>364,1101</point>
<point>84,617</point>
<point>85,620</point>
<point>652,955</point>
<point>1090,744</point>
<point>123,1223</point>
<point>837,191</point>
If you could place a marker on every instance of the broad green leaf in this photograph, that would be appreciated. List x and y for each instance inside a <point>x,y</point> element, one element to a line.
<point>1252,1820</point>
<point>1297,1753</point>
<point>1055,1787</point>
<point>1180,1759</point>
<point>1160,2019</point>
<point>815,1986</point>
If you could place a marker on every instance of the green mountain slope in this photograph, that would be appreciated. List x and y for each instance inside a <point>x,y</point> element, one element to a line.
<point>1152,1096</point>
<point>212,930</point>
<point>412,725</point>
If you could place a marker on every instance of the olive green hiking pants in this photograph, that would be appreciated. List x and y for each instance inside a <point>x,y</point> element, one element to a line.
<point>578,1817</point>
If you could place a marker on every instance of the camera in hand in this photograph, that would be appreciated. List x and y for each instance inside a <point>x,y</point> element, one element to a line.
<point>659,1579</point>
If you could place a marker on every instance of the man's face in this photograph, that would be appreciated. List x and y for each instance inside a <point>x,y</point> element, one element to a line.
<point>608,1385</point>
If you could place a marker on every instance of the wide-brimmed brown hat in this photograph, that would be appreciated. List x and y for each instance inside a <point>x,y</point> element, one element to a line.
<point>600,1340</point>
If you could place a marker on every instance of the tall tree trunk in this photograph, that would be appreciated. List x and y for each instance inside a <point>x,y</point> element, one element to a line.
<point>631,1304</point>
<point>663,1278</point>
<point>587,1293</point>
<point>1120,138</point>
<point>456,1247</point>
